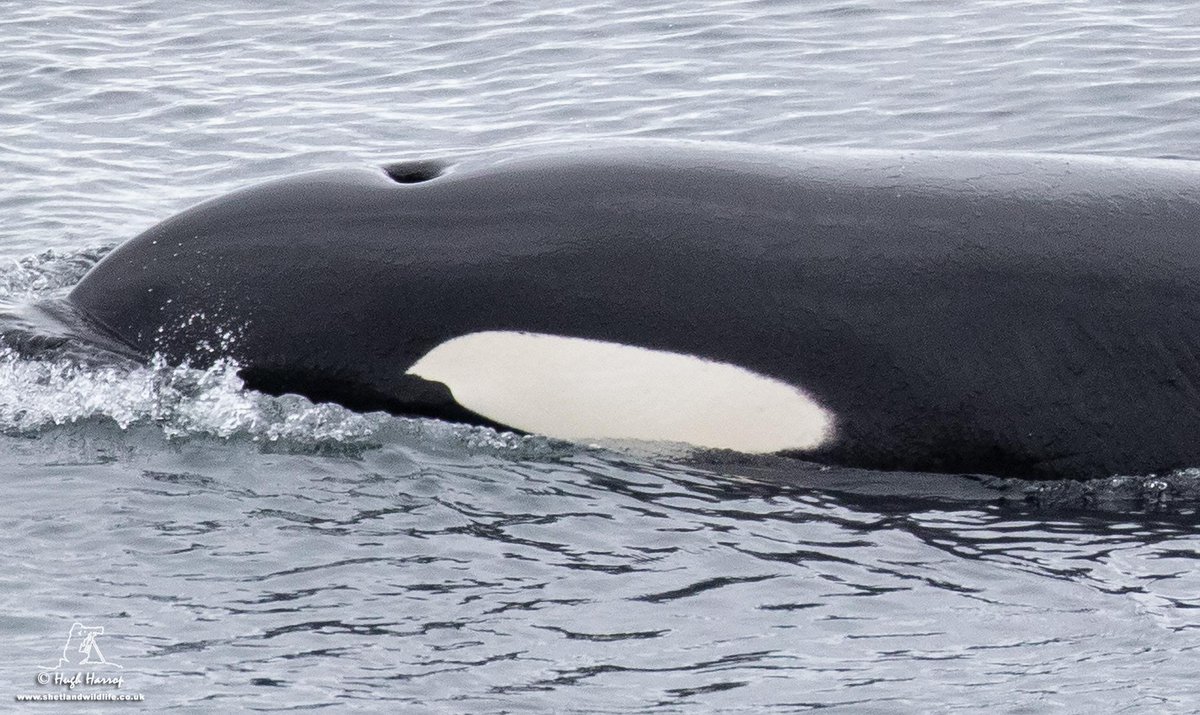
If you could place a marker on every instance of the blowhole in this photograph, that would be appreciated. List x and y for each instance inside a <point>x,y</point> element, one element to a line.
<point>414,172</point>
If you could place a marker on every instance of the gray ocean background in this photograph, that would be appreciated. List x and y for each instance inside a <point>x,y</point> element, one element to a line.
<point>247,553</point>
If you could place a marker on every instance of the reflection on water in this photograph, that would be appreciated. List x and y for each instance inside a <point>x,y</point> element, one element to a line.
<point>423,571</point>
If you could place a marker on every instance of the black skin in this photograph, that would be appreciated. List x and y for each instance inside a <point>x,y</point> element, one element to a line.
<point>1033,316</point>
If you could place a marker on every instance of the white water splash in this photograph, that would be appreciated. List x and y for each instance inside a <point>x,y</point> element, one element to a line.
<point>183,401</point>
<point>46,272</point>
<point>186,402</point>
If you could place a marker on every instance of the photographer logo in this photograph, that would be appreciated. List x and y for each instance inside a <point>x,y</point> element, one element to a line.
<point>82,665</point>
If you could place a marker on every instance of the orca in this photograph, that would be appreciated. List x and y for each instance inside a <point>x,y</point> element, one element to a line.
<point>1004,314</point>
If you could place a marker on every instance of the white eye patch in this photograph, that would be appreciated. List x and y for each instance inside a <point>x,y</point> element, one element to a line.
<point>578,389</point>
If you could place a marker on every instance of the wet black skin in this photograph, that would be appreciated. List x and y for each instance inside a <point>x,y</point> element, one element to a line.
<point>1021,315</point>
